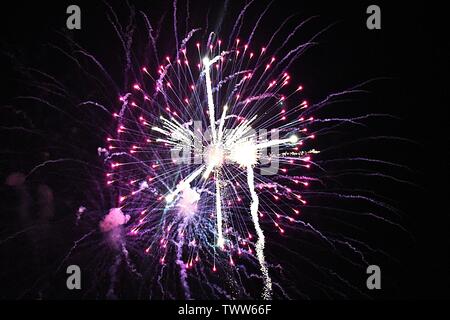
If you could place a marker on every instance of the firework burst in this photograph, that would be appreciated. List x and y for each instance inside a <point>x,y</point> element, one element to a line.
<point>189,140</point>
<point>212,161</point>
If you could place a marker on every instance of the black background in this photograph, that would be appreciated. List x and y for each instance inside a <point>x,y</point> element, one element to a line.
<point>410,52</point>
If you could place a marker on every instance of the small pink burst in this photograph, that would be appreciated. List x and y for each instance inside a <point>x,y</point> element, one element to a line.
<point>113,219</point>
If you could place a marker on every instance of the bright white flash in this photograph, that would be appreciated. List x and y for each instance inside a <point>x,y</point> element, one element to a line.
<point>245,154</point>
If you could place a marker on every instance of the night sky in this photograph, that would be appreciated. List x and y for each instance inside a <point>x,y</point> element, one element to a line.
<point>408,61</point>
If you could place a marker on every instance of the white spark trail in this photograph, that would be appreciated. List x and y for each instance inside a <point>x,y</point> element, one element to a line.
<point>260,243</point>
<point>208,63</point>
<point>292,139</point>
<point>220,239</point>
<point>212,118</point>
<point>222,121</point>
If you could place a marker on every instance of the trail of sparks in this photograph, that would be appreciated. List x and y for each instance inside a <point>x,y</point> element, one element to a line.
<point>260,243</point>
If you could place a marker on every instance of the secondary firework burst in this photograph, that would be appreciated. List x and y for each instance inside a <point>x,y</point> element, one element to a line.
<point>204,149</point>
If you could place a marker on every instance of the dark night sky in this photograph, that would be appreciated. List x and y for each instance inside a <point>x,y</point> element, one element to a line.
<point>410,53</point>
